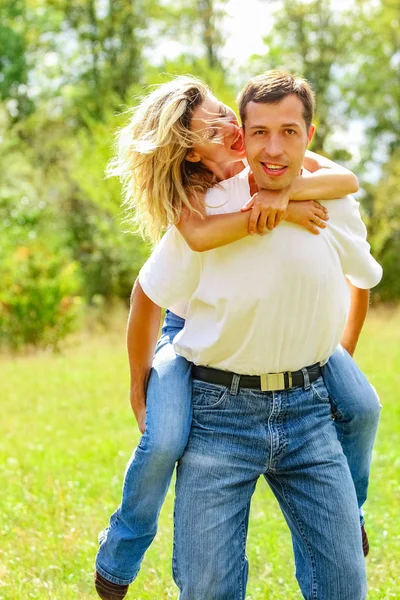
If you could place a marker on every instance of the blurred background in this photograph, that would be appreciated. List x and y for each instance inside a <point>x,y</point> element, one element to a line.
<point>70,68</point>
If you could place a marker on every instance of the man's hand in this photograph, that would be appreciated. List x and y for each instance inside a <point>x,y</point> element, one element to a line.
<point>310,214</point>
<point>138,404</point>
<point>268,208</point>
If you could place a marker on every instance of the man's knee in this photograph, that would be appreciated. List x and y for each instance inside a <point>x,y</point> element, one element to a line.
<point>208,586</point>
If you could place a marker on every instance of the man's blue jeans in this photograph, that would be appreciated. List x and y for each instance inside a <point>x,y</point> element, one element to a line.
<point>289,438</point>
<point>168,419</point>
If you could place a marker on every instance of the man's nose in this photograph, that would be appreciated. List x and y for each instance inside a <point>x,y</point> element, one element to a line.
<point>273,146</point>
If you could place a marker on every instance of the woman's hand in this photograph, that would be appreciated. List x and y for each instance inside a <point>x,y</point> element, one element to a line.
<point>268,208</point>
<point>310,214</point>
<point>138,404</point>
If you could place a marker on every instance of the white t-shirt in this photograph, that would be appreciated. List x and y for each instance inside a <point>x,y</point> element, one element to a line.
<point>263,304</point>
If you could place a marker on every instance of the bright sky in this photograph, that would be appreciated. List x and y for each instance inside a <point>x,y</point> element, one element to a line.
<point>248,22</point>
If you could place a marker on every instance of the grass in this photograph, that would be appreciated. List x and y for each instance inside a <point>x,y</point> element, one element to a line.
<point>66,433</point>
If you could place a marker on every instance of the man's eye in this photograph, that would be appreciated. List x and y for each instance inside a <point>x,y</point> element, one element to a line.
<point>290,131</point>
<point>259,132</point>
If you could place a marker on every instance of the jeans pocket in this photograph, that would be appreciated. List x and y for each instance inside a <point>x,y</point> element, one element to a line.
<point>208,395</point>
<point>319,389</point>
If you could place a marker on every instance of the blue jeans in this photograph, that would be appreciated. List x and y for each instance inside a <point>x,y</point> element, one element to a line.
<point>356,410</point>
<point>290,438</point>
<point>147,477</point>
<point>168,419</point>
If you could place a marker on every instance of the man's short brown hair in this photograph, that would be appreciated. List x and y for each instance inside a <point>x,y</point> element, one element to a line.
<point>273,86</point>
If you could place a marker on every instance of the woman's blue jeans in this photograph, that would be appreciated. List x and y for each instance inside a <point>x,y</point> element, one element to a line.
<point>168,421</point>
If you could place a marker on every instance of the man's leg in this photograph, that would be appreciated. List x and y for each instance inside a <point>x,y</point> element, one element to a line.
<point>216,478</point>
<point>356,410</point>
<point>311,479</point>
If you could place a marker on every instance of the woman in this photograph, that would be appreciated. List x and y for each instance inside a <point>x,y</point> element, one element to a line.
<point>180,142</point>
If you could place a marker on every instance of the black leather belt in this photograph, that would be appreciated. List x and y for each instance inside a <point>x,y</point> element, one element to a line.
<point>270,382</point>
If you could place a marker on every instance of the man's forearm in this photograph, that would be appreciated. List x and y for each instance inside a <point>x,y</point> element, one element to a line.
<point>142,333</point>
<point>358,312</point>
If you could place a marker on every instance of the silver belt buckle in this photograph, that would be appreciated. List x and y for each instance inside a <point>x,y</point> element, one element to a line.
<point>272,382</point>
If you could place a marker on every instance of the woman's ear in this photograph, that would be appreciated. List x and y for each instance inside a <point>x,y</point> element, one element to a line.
<point>192,156</point>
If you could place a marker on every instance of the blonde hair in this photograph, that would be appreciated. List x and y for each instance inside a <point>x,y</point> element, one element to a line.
<point>158,181</point>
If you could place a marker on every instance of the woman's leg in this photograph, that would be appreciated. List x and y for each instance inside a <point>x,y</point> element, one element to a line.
<point>356,409</point>
<point>149,471</point>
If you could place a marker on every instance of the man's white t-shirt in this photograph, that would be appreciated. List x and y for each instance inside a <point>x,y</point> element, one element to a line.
<point>263,304</point>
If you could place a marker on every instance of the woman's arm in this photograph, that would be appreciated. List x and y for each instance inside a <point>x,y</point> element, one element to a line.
<point>142,333</point>
<point>203,232</point>
<point>358,311</point>
<point>206,233</point>
<point>327,180</point>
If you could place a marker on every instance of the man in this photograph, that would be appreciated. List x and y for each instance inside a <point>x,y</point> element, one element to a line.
<point>264,314</point>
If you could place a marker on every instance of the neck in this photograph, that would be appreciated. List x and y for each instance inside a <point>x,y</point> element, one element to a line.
<point>252,183</point>
<point>224,171</point>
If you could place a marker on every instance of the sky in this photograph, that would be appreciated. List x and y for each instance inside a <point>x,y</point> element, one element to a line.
<point>247,23</point>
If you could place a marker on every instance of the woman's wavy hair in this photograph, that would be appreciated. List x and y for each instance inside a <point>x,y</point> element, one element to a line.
<point>151,150</point>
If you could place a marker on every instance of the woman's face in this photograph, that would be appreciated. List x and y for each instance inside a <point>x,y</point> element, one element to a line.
<point>218,125</point>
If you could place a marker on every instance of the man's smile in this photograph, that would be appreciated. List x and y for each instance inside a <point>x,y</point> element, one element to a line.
<point>274,170</point>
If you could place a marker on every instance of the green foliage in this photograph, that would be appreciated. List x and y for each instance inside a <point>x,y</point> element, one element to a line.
<point>198,25</point>
<point>13,45</point>
<point>40,282</point>
<point>109,259</point>
<point>385,229</point>
<point>69,70</point>
<point>371,82</point>
<point>38,302</point>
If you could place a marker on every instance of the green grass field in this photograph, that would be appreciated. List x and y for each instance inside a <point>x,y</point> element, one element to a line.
<point>66,433</point>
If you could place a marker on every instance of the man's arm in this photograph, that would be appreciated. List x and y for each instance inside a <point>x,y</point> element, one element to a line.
<point>142,333</point>
<point>358,312</point>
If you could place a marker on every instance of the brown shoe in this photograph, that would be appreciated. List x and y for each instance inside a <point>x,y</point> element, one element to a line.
<point>365,542</point>
<point>108,590</point>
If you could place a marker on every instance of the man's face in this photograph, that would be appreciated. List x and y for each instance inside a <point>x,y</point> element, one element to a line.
<point>276,139</point>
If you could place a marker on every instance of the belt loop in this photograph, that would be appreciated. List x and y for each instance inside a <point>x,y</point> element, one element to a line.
<point>306,377</point>
<point>235,384</point>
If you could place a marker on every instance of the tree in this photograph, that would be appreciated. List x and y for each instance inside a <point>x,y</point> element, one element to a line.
<point>384,227</point>
<point>372,83</point>
<point>310,39</point>
<point>13,60</point>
